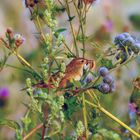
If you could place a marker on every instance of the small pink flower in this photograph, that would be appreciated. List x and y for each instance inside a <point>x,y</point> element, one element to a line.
<point>19,39</point>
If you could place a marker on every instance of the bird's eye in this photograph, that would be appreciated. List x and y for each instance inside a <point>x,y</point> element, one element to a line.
<point>82,61</point>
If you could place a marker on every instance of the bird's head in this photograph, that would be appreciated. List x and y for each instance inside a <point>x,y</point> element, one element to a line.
<point>81,63</point>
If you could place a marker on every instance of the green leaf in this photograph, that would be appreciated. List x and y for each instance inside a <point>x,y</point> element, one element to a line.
<point>71,18</point>
<point>69,138</point>
<point>18,135</point>
<point>71,105</point>
<point>107,63</point>
<point>10,123</point>
<point>109,135</point>
<point>26,122</point>
<point>59,9</point>
<point>76,83</point>
<point>60,30</point>
<point>93,128</point>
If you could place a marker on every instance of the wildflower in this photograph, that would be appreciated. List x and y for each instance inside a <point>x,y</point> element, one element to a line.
<point>89,78</point>
<point>4,95</point>
<point>104,88</point>
<point>103,71</point>
<point>108,84</point>
<point>19,39</point>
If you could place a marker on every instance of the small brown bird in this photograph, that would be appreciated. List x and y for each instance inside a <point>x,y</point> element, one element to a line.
<point>74,70</point>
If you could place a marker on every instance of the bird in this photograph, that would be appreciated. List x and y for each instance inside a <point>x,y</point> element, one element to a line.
<point>73,72</point>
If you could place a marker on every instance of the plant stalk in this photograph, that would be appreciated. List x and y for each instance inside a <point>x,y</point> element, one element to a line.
<point>114,118</point>
<point>85,115</point>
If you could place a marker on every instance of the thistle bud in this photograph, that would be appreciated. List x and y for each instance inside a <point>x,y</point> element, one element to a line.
<point>10,32</point>
<point>80,128</point>
<point>18,39</point>
<point>28,83</point>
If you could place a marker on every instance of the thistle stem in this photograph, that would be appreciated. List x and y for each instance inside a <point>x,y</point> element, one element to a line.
<point>85,115</point>
<point>33,131</point>
<point>43,132</point>
<point>81,26</point>
<point>72,29</point>
<point>22,60</point>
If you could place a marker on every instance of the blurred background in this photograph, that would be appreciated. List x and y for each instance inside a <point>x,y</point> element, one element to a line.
<point>105,19</point>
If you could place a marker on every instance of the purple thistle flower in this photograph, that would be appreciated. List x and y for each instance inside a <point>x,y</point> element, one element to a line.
<point>4,92</point>
<point>89,78</point>
<point>4,95</point>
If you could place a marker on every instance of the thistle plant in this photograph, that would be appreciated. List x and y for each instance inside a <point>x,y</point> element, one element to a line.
<point>64,92</point>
